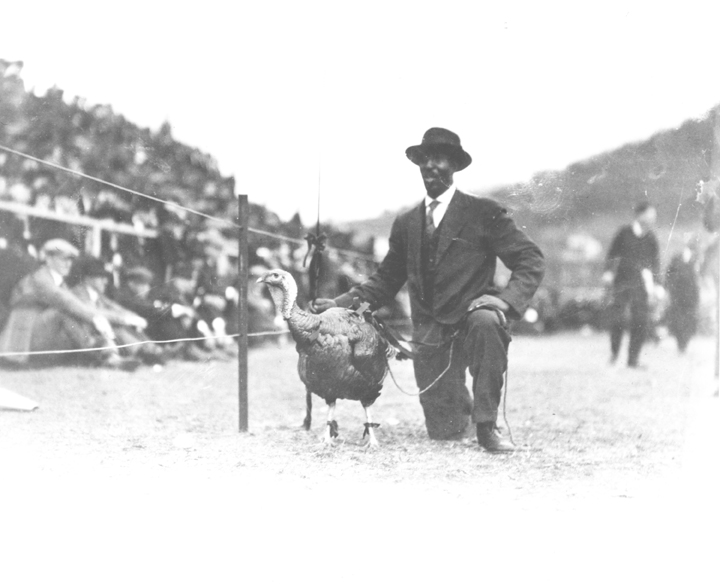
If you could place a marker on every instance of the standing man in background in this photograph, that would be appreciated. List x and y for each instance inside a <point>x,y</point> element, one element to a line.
<point>632,269</point>
<point>446,248</point>
<point>683,286</point>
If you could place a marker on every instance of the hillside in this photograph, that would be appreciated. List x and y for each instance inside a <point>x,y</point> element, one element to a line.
<point>664,169</point>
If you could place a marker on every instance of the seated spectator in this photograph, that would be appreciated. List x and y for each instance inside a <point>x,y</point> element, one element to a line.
<point>15,260</point>
<point>166,318</point>
<point>215,293</point>
<point>45,316</point>
<point>91,278</point>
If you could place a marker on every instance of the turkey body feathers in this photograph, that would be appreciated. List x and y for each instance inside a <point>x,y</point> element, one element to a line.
<point>341,356</point>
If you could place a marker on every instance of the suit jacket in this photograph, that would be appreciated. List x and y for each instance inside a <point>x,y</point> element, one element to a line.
<point>473,234</point>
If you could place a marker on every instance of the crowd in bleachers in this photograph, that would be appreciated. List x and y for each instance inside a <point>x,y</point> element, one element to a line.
<point>181,282</point>
<point>190,309</point>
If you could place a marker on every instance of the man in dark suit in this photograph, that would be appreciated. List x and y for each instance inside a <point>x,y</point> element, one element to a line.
<point>446,250</point>
<point>633,268</point>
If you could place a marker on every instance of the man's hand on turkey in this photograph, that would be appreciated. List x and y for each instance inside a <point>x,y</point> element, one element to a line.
<point>319,305</point>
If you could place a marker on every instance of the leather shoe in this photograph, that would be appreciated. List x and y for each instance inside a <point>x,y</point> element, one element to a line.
<point>489,437</point>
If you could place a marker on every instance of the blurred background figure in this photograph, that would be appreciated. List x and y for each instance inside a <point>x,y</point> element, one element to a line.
<point>46,316</point>
<point>683,287</point>
<point>167,319</point>
<point>631,269</point>
<point>89,278</point>
<point>215,292</point>
<point>15,260</point>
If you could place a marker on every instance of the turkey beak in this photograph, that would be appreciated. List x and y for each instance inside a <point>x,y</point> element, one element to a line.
<point>260,280</point>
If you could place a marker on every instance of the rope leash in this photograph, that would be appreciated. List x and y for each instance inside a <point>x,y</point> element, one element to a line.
<point>396,343</point>
<point>507,424</point>
<point>427,388</point>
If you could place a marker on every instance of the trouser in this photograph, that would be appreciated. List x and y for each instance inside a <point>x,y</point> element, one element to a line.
<point>682,322</point>
<point>634,297</point>
<point>480,346</point>
<point>55,330</point>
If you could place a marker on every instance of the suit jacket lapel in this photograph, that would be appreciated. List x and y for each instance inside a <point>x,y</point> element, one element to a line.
<point>415,227</point>
<point>453,221</point>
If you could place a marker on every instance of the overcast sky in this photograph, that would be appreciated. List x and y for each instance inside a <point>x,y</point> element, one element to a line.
<point>296,98</point>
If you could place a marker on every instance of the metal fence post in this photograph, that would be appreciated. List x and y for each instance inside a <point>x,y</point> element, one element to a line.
<point>243,217</point>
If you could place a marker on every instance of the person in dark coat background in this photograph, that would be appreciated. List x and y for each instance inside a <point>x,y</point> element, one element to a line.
<point>446,248</point>
<point>89,278</point>
<point>166,318</point>
<point>683,288</point>
<point>632,268</point>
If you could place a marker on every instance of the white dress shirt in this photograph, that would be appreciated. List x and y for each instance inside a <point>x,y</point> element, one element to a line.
<point>443,201</point>
<point>56,277</point>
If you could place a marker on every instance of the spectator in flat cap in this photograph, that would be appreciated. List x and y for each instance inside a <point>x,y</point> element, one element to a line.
<point>46,316</point>
<point>91,277</point>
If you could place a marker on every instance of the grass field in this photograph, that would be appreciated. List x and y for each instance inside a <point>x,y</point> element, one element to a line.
<point>157,456</point>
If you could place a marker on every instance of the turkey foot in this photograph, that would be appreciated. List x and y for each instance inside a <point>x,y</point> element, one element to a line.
<point>370,430</point>
<point>331,431</point>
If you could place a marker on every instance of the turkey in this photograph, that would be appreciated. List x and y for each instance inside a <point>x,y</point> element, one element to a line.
<point>341,355</point>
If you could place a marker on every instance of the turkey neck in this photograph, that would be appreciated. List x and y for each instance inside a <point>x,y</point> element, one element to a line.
<point>301,323</point>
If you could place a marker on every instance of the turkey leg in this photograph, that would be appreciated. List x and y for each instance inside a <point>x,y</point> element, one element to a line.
<point>370,429</point>
<point>331,430</point>
<point>307,422</point>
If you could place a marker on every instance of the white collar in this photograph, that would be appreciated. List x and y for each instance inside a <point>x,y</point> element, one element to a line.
<point>57,277</point>
<point>94,295</point>
<point>443,199</point>
<point>637,229</point>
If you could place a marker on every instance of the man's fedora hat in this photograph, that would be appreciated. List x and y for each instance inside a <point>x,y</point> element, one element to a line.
<point>440,140</point>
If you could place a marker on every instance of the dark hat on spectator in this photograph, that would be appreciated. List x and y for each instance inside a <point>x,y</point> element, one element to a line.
<point>139,275</point>
<point>440,140</point>
<point>58,247</point>
<point>89,266</point>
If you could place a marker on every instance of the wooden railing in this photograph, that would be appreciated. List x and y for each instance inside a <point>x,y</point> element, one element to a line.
<point>96,226</point>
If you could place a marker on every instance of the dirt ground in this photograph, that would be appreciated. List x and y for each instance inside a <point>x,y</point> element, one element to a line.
<point>143,477</point>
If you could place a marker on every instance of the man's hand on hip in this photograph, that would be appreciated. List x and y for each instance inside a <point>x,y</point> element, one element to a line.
<point>321,304</point>
<point>490,300</point>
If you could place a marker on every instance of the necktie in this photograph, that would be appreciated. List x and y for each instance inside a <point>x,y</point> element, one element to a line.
<point>429,223</point>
